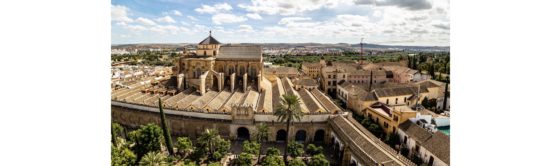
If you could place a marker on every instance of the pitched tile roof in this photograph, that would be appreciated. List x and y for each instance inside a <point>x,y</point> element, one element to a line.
<point>437,143</point>
<point>209,40</point>
<point>252,52</point>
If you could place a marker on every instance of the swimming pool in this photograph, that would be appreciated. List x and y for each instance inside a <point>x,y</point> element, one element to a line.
<point>445,130</point>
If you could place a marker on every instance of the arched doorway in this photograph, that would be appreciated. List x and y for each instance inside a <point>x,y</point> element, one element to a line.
<point>243,134</point>
<point>319,136</point>
<point>281,135</point>
<point>336,150</point>
<point>300,136</point>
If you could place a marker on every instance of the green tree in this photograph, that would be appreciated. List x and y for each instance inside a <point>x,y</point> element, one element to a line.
<point>184,146</point>
<point>153,159</point>
<point>392,139</point>
<point>166,133</point>
<point>211,145</point>
<point>146,139</point>
<point>272,157</point>
<point>272,151</point>
<point>214,164</point>
<point>221,150</point>
<point>116,130</point>
<point>251,147</point>
<point>446,95</point>
<point>432,71</point>
<point>318,160</point>
<point>120,154</point>
<point>296,162</point>
<point>244,159</point>
<point>313,150</point>
<point>295,149</point>
<point>425,102</point>
<point>288,110</point>
<point>262,135</point>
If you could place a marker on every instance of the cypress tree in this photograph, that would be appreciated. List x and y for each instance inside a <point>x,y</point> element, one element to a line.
<point>113,136</point>
<point>166,134</point>
<point>445,95</point>
<point>432,71</point>
<point>414,63</point>
<point>409,62</point>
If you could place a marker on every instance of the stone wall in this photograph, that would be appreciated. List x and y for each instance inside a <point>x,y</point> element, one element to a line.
<point>183,125</point>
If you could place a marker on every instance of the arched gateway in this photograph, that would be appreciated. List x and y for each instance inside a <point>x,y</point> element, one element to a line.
<point>243,134</point>
<point>281,135</point>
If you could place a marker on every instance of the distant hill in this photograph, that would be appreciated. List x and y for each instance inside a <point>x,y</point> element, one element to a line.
<point>377,46</point>
<point>287,45</point>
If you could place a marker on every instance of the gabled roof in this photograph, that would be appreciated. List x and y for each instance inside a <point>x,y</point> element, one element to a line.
<point>437,143</point>
<point>209,40</point>
<point>240,52</point>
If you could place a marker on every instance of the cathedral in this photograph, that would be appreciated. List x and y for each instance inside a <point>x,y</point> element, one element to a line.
<point>217,67</point>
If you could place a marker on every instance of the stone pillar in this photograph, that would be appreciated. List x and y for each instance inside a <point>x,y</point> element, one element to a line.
<point>221,81</point>
<point>245,82</point>
<point>202,86</point>
<point>346,156</point>
<point>180,80</point>
<point>232,82</point>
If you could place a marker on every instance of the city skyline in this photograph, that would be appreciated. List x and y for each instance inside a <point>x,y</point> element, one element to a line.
<point>392,22</point>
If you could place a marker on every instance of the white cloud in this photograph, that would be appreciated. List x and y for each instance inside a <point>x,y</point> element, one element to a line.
<point>120,13</point>
<point>166,19</point>
<point>296,21</point>
<point>227,18</point>
<point>122,23</point>
<point>254,16</point>
<point>217,8</point>
<point>192,18</point>
<point>245,28</point>
<point>177,13</point>
<point>407,4</point>
<point>136,28</point>
<point>287,7</point>
<point>165,29</point>
<point>364,2</point>
<point>145,21</point>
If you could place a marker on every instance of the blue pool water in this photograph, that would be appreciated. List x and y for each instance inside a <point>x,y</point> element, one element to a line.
<point>445,130</point>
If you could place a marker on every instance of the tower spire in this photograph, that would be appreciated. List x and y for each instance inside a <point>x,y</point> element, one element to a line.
<point>210,33</point>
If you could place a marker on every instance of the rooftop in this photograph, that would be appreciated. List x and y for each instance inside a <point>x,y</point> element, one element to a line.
<point>210,40</point>
<point>247,52</point>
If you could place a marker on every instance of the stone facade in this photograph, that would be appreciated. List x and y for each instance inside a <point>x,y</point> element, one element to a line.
<point>193,127</point>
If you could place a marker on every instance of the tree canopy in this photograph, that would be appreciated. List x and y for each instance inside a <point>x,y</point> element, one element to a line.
<point>295,149</point>
<point>146,139</point>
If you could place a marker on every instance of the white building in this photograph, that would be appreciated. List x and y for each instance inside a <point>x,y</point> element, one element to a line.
<point>431,147</point>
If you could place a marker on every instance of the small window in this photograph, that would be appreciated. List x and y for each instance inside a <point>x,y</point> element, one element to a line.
<point>396,100</point>
<point>387,102</point>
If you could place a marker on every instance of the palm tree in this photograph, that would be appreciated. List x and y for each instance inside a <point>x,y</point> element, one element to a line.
<point>288,110</point>
<point>153,159</point>
<point>262,134</point>
<point>210,135</point>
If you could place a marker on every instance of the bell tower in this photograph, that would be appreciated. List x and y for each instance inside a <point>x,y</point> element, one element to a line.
<point>208,47</point>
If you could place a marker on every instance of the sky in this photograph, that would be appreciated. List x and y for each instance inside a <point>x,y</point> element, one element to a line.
<point>387,22</point>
